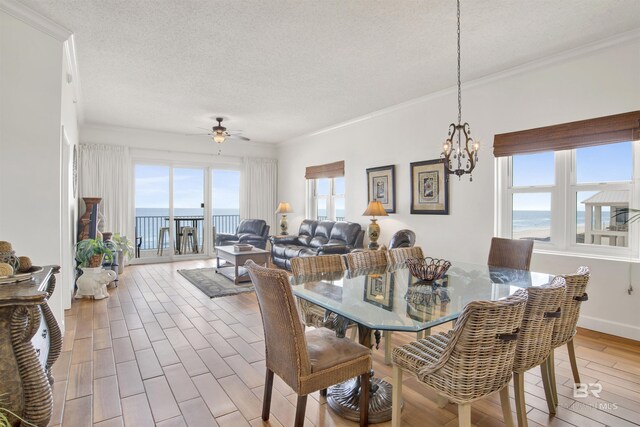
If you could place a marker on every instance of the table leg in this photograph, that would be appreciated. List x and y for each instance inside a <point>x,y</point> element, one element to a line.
<point>236,280</point>
<point>344,398</point>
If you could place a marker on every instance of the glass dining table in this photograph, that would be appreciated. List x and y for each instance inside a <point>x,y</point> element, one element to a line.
<point>391,299</point>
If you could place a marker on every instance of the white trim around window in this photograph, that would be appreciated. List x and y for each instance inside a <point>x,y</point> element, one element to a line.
<point>564,206</point>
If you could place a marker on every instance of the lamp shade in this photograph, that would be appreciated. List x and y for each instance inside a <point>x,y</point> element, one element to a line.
<point>284,208</point>
<point>375,208</point>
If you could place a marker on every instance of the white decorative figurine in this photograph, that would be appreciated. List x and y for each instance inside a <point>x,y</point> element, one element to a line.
<point>93,282</point>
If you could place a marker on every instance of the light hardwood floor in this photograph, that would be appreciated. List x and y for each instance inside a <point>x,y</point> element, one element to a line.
<point>160,352</point>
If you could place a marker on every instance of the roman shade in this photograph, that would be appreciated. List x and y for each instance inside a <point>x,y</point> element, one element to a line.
<point>329,170</point>
<point>567,136</point>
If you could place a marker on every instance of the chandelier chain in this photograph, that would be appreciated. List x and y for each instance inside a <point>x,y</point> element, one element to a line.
<point>459,81</point>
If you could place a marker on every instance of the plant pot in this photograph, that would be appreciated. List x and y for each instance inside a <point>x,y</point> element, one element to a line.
<point>93,282</point>
<point>96,261</point>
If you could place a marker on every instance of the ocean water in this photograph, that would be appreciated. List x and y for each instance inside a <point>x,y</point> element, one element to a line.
<point>536,220</point>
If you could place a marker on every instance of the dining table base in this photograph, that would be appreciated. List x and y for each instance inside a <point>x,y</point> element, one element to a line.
<point>344,398</point>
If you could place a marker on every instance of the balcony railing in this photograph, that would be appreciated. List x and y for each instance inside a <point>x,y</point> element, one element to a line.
<point>324,218</point>
<point>148,227</point>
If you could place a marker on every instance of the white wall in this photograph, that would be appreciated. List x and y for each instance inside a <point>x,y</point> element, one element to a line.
<point>30,136</point>
<point>583,84</point>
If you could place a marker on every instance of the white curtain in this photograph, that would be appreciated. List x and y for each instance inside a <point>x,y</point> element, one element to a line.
<point>105,171</point>
<point>258,190</point>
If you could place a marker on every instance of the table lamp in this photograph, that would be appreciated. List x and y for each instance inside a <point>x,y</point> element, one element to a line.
<point>374,209</point>
<point>284,208</point>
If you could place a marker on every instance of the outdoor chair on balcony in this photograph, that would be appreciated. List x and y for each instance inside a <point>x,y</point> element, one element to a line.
<point>250,231</point>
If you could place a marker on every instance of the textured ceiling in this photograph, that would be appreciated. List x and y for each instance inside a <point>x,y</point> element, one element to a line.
<point>281,68</point>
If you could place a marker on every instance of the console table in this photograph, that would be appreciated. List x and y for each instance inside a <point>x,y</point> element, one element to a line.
<point>30,342</point>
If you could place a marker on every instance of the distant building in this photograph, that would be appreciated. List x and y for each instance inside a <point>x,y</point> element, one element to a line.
<point>613,225</point>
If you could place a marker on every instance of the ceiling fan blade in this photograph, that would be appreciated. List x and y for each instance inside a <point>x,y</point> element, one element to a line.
<point>207,129</point>
<point>240,137</point>
<point>197,134</point>
<point>234,132</point>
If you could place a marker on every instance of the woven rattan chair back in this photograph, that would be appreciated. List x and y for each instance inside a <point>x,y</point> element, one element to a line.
<point>510,253</point>
<point>540,315</point>
<point>400,255</point>
<point>479,357</point>
<point>565,327</point>
<point>362,260</point>
<point>286,347</point>
<point>307,266</point>
<point>316,268</point>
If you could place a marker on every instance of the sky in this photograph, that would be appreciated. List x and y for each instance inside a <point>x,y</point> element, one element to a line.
<point>604,163</point>
<point>152,187</point>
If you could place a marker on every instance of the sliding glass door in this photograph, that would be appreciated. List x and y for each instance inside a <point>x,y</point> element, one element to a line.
<point>225,200</point>
<point>188,210</point>
<point>179,209</point>
<point>154,237</point>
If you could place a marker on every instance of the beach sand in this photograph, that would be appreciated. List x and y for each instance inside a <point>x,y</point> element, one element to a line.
<point>544,234</point>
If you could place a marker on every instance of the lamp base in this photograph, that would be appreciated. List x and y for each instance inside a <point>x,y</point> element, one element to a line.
<point>373,231</point>
<point>284,225</point>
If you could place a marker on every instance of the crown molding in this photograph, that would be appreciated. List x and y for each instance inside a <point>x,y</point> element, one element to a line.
<point>34,19</point>
<point>618,39</point>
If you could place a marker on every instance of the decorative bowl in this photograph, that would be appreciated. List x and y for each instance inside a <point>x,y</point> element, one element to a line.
<point>428,269</point>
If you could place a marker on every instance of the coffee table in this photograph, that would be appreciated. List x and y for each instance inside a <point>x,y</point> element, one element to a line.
<point>235,271</point>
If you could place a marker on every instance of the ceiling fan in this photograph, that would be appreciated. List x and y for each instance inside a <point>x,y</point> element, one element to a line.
<point>220,133</point>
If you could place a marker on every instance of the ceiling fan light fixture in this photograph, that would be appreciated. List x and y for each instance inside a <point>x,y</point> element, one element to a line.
<point>219,137</point>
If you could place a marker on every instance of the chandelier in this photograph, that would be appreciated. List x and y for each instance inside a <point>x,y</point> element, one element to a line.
<point>460,157</point>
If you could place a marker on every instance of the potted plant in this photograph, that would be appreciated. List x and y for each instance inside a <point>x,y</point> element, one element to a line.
<point>91,252</point>
<point>125,250</point>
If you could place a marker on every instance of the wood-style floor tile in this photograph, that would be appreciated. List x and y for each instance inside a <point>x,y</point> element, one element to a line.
<point>159,352</point>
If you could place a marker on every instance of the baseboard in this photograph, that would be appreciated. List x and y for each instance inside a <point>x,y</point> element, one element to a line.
<point>608,327</point>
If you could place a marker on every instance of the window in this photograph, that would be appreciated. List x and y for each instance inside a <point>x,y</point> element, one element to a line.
<point>570,186</point>
<point>327,198</point>
<point>325,191</point>
<point>573,200</point>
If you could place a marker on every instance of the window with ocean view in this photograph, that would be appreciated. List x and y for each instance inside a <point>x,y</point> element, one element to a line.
<point>327,198</point>
<point>574,199</point>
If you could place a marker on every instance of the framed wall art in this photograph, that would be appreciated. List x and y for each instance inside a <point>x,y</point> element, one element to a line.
<point>429,188</point>
<point>381,186</point>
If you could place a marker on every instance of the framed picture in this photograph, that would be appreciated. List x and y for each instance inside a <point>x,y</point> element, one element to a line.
<point>381,186</point>
<point>429,188</point>
<point>378,290</point>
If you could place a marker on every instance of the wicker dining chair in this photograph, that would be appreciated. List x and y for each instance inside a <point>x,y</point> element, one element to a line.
<point>534,339</point>
<point>362,260</point>
<point>470,362</point>
<point>312,314</point>
<point>565,327</point>
<point>510,253</point>
<point>400,255</point>
<point>309,360</point>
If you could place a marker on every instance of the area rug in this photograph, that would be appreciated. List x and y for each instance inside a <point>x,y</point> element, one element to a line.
<point>214,285</point>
